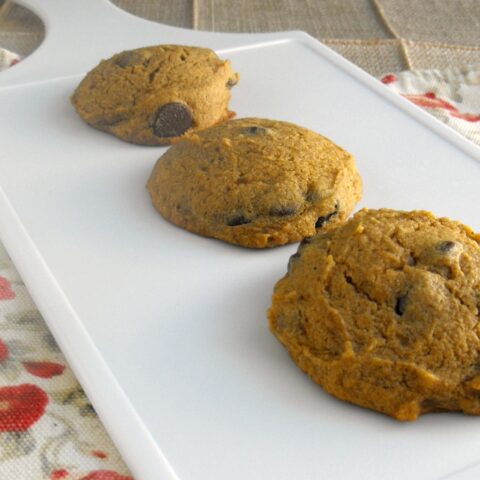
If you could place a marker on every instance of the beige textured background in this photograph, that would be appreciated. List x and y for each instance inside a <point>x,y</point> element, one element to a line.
<point>378,35</point>
<point>20,31</point>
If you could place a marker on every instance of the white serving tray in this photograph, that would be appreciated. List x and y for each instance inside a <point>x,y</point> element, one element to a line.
<point>167,331</point>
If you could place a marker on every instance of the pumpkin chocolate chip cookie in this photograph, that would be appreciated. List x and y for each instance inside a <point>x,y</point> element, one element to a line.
<point>155,95</point>
<point>384,312</point>
<point>255,182</point>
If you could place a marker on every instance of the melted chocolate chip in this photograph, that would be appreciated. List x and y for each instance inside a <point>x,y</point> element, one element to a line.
<point>401,304</point>
<point>254,130</point>
<point>172,120</point>
<point>282,211</point>
<point>125,59</point>
<point>321,221</point>
<point>237,220</point>
<point>445,247</point>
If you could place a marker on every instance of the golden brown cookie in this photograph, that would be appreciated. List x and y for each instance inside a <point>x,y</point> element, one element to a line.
<point>255,182</point>
<point>384,312</point>
<point>155,95</point>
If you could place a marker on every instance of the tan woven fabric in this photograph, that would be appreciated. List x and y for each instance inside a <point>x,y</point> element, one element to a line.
<point>439,56</point>
<point>171,12</point>
<point>321,18</point>
<point>377,35</point>
<point>443,21</point>
<point>20,30</point>
<point>374,56</point>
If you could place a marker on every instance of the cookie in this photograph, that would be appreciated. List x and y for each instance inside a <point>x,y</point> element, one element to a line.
<point>155,95</point>
<point>384,312</point>
<point>255,182</point>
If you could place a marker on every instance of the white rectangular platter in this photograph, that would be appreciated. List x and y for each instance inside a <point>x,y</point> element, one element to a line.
<point>167,331</point>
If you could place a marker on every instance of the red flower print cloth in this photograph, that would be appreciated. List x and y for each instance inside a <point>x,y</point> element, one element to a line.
<point>3,351</point>
<point>44,369</point>
<point>59,474</point>
<point>47,424</point>
<point>105,475</point>
<point>452,96</point>
<point>6,292</point>
<point>20,407</point>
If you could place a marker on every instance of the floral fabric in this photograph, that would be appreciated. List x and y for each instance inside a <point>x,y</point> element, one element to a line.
<point>452,95</point>
<point>48,428</point>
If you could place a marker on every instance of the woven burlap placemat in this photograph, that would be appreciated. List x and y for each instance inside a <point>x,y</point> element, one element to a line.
<point>378,35</point>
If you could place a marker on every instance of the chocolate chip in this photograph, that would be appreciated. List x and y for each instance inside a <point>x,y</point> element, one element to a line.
<point>231,83</point>
<point>445,246</point>
<point>254,130</point>
<point>172,120</point>
<point>237,220</point>
<point>126,59</point>
<point>321,221</point>
<point>282,211</point>
<point>401,304</point>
